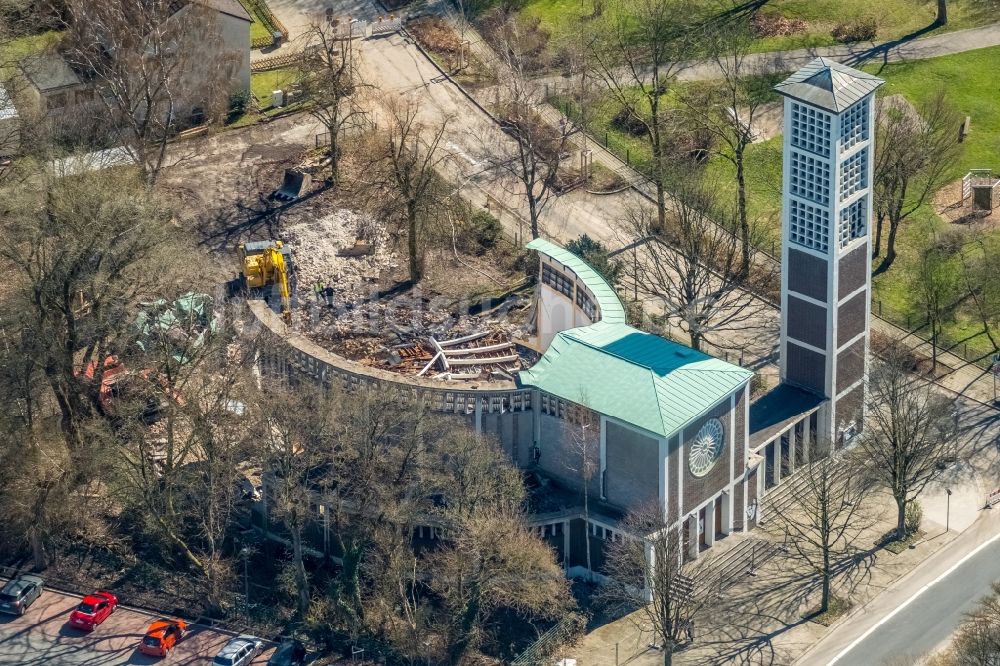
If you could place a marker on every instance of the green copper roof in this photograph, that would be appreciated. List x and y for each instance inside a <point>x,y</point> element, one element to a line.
<point>635,377</point>
<point>611,306</point>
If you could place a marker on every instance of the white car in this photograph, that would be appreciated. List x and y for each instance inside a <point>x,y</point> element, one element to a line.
<point>238,651</point>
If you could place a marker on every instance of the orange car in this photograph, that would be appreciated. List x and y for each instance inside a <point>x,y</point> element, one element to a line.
<point>162,636</point>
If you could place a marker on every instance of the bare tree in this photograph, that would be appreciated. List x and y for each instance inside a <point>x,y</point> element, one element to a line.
<point>330,79</point>
<point>182,475</point>
<point>910,431</point>
<point>409,153</point>
<point>297,439</point>
<point>643,565</point>
<point>824,513</point>
<point>148,70</point>
<point>492,561</point>
<point>914,153</point>
<point>937,288</point>
<point>692,269</point>
<point>977,641</point>
<point>583,445</point>
<point>638,54</point>
<point>727,110</point>
<point>978,259</point>
<point>84,250</point>
<point>528,156</point>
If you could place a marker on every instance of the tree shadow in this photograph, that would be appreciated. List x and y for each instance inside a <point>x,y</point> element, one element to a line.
<point>884,50</point>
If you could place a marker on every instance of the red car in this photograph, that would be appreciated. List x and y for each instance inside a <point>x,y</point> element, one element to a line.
<point>94,609</point>
<point>162,636</point>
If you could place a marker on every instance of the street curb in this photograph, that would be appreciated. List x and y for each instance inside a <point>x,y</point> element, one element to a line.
<point>859,609</point>
<point>206,622</point>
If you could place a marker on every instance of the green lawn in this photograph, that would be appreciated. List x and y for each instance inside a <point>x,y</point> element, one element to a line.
<point>17,49</point>
<point>262,84</point>
<point>565,19</point>
<point>972,86</point>
<point>259,32</point>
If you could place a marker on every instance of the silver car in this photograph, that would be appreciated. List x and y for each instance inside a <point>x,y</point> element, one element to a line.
<point>19,593</point>
<point>238,651</point>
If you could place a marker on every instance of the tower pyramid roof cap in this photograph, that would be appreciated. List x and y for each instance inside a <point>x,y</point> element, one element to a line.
<point>829,85</point>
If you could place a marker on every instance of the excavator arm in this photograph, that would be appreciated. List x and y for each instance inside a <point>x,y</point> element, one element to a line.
<point>275,263</point>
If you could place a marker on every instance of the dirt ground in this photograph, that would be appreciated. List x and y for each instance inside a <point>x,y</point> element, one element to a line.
<point>219,187</point>
<point>949,205</point>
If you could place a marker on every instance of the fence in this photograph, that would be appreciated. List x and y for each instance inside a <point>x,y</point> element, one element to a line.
<point>263,13</point>
<point>977,353</point>
<point>549,642</point>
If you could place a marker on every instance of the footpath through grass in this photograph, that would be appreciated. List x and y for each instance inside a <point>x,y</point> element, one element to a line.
<point>565,19</point>
<point>971,82</point>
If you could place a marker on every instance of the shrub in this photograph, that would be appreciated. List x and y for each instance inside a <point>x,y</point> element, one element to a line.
<point>595,254</point>
<point>860,30</point>
<point>774,25</point>
<point>626,121</point>
<point>913,517</point>
<point>486,229</point>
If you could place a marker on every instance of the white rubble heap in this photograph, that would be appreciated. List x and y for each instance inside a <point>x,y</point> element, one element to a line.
<point>318,244</point>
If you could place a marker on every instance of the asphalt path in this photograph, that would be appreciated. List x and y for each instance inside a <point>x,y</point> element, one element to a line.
<point>41,637</point>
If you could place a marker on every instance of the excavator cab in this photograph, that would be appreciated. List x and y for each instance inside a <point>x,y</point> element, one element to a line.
<point>267,263</point>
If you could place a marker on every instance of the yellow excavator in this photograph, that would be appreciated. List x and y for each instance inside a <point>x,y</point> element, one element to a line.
<point>267,263</point>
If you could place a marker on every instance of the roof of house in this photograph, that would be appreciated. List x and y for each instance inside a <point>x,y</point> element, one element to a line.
<point>611,306</point>
<point>231,7</point>
<point>638,378</point>
<point>49,71</point>
<point>829,85</point>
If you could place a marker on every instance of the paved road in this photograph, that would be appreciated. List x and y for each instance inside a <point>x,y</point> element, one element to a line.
<point>921,611</point>
<point>41,638</point>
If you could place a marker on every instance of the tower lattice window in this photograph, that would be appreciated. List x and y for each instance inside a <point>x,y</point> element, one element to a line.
<point>854,125</point>
<point>809,226</point>
<point>810,178</point>
<point>853,222</point>
<point>810,130</point>
<point>854,174</point>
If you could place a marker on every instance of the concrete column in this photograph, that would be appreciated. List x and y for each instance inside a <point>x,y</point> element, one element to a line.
<point>604,455</point>
<point>777,460</point>
<point>727,513</point>
<point>566,546</point>
<point>791,450</point>
<point>479,415</point>
<point>710,525</point>
<point>536,420</point>
<point>806,443</point>
<point>693,545</point>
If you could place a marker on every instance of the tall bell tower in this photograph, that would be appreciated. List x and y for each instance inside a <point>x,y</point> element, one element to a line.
<point>829,141</point>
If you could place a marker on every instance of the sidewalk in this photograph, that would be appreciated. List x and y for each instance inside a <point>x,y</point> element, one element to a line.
<point>855,55</point>
<point>938,611</point>
<point>964,378</point>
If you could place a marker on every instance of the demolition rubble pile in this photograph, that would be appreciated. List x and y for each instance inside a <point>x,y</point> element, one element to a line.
<point>410,333</point>
<point>346,249</point>
<point>410,338</point>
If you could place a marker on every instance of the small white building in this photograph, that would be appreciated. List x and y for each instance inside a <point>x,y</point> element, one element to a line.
<point>10,125</point>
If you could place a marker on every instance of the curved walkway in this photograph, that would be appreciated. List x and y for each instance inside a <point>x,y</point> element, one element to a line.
<point>910,47</point>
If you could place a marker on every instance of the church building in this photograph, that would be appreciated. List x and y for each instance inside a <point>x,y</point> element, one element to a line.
<point>666,424</point>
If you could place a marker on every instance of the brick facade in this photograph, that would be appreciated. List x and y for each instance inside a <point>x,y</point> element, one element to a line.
<point>852,270</point>
<point>806,322</point>
<point>632,463</point>
<point>805,368</point>
<point>809,272</point>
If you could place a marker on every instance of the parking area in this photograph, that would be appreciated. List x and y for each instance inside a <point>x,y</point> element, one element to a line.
<point>42,637</point>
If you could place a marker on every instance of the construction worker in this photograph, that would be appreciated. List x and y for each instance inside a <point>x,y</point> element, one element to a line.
<point>329,294</point>
<point>318,290</point>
